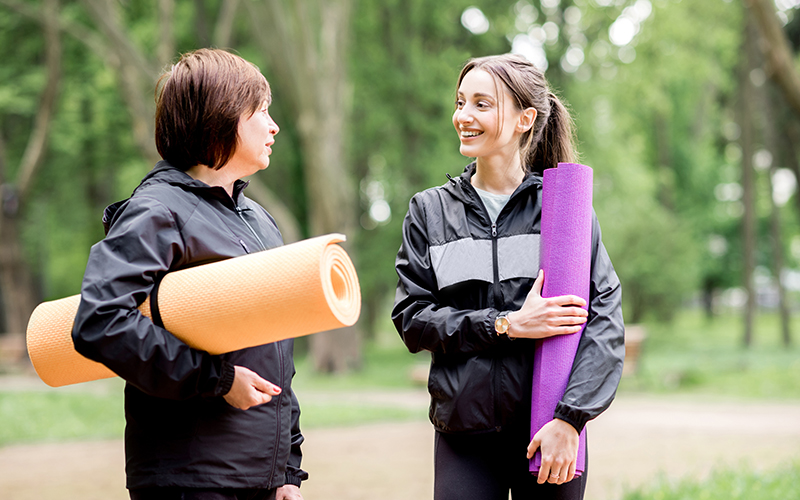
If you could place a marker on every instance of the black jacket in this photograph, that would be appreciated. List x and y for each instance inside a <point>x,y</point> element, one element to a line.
<point>179,430</point>
<point>457,271</point>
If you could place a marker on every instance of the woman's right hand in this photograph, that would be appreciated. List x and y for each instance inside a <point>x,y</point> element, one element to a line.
<point>249,389</point>
<point>540,318</point>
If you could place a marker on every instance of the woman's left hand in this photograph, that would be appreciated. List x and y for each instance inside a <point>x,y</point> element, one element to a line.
<point>288,492</point>
<point>558,441</point>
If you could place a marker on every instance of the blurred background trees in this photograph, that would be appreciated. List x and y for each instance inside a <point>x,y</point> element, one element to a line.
<point>683,110</point>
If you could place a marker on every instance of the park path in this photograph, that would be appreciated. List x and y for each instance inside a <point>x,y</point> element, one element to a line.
<point>639,439</point>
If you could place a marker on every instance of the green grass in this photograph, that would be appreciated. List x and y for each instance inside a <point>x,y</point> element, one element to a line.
<point>699,356</point>
<point>384,367</point>
<point>95,410</point>
<point>51,415</point>
<point>779,484</point>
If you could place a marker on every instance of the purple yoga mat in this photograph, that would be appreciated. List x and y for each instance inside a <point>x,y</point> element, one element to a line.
<point>565,258</point>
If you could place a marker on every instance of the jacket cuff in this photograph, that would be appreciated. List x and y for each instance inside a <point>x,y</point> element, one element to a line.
<point>226,379</point>
<point>573,417</point>
<point>296,480</point>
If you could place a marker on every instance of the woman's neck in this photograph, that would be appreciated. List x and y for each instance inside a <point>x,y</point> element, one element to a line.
<point>498,175</point>
<point>212,177</point>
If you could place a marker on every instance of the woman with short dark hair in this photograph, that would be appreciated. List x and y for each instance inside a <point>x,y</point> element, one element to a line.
<point>198,426</point>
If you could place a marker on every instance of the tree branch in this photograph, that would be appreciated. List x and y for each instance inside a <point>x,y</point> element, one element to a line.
<point>166,40</point>
<point>34,151</point>
<point>222,31</point>
<point>107,21</point>
<point>776,48</point>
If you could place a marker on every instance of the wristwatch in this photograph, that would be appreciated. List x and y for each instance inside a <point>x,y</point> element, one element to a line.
<point>501,324</point>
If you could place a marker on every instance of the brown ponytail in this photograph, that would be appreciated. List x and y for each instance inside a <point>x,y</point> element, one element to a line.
<point>551,139</point>
<point>556,142</point>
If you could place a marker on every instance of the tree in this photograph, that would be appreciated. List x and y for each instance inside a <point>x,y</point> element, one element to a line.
<point>16,285</point>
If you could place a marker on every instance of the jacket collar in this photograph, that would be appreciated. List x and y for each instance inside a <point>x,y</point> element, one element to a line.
<point>163,172</point>
<point>461,187</point>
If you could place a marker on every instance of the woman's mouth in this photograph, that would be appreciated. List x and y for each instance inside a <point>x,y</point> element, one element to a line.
<point>470,133</point>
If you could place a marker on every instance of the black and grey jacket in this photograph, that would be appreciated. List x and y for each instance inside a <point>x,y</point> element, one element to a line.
<point>179,430</point>
<point>457,271</point>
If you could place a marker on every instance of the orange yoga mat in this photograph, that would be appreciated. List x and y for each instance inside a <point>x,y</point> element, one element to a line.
<point>290,291</point>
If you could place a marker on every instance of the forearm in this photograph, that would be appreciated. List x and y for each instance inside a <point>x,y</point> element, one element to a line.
<point>597,369</point>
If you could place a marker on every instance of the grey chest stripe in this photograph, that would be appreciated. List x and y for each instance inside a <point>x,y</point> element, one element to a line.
<point>518,256</point>
<point>467,259</point>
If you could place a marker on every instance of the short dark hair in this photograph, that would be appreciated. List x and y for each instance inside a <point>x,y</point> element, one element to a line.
<point>198,105</point>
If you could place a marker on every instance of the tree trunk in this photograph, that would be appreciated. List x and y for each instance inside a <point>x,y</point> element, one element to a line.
<point>776,235</point>
<point>306,43</point>
<point>776,48</point>
<point>18,292</point>
<point>745,118</point>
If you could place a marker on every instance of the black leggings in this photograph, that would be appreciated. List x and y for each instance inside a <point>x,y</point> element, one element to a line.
<point>486,466</point>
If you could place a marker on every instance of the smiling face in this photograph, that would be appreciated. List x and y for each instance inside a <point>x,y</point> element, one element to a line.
<point>256,135</point>
<point>486,119</point>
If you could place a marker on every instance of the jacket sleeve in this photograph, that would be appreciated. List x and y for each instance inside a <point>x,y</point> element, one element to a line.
<point>143,244</point>
<point>421,320</point>
<point>294,474</point>
<point>597,368</point>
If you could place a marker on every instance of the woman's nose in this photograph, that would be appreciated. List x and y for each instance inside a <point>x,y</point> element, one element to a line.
<point>463,116</point>
<point>273,127</point>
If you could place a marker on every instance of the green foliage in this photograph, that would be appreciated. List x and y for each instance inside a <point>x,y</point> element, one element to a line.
<point>658,130</point>
<point>741,484</point>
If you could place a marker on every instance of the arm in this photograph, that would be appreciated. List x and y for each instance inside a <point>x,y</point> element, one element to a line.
<point>597,368</point>
<point>142,245</point>
<point>595,374</point>
<point>420,319</point>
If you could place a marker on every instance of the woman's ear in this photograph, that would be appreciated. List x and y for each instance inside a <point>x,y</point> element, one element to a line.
<point>526,119</point>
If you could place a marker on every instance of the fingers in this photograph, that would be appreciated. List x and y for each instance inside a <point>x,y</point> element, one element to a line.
<point>555,470</point>
<point>538,284</point>
<point>568,300</point>
<point>265,386</point>
<point>249,389</point>
<point>533,446</point>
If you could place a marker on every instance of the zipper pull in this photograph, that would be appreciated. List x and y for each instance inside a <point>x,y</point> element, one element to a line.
<point>494,230</point>
<point>247,250</point>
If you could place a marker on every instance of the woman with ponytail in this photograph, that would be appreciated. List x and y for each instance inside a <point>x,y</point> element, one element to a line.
<point>469,292</point>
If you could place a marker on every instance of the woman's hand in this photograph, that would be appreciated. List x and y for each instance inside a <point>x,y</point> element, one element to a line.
<point>249,389</point>
<point>558,441</point>
<point>288,492</point>
<point>540,318</point>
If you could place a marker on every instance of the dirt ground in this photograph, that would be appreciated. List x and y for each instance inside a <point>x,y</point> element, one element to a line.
<point>638,440</point>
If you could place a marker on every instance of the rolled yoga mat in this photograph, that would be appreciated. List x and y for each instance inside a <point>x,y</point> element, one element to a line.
<point>566,260</point>
<point>289,291</point>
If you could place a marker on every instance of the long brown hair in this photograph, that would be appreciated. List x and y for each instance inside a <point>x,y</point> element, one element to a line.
<point>551,139</point>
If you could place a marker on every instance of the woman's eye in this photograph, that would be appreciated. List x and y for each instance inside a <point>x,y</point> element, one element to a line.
<point>459,104</point>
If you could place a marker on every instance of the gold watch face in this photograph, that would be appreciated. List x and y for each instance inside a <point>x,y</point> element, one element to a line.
<point>501,324</point>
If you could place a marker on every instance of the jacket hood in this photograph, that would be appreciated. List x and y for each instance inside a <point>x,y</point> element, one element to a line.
<point>164,173</point>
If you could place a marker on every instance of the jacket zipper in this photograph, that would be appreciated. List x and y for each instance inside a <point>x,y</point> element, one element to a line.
<point>240,213</point>
<point>496,378</point>
<point>278,412</point>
